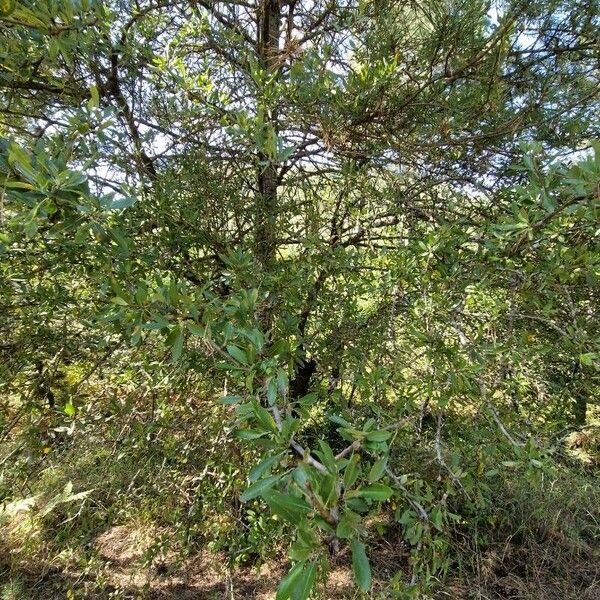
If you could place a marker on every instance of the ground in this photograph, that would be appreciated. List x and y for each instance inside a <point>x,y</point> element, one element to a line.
<point>509,572</point>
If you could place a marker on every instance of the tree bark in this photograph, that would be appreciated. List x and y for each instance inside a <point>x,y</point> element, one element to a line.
<point>580,411</point>
<point>266,199</point>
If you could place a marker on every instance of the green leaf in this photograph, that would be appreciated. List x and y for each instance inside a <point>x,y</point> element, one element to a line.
<point>264,465</point>
<point>263,416</point>
<point>249,434</point>
<point>284,589</point>
<point>375,491</point>
<point>588,358</point>
<point>339,421</point>
<point>238,354</point>
<point>260,486</point>
<point>282,381</point>
<point>271,391</point>
<point>256,337</point>
<point>159,323</point>
<point>352,471</point>
<point>379,436</point>
<point>121,203</point>
<point>328,488</point>
<point>510,226</point>
<point>357,504</point>
<point>437,518</point>
<point>352,434</point>
<point>286,153</point>
<point>327,456</point>
<point>141,293</point>
<point>94,100</point>
<point>18,185</point>
<point>308,400</point>
<point>348,524</point>
<point>360,566</point>
<point>21,160</point>
<point>290,508</point>
<point>378,469</point>
<point>195,329</point>
<point>230,400</point>
<point>175,342</point>
<point>304,583</point>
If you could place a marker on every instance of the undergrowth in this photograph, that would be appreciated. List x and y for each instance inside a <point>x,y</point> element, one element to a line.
<point>160,486</point>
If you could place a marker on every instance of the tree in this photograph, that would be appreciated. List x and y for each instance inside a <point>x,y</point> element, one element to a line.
<point>328,199</point>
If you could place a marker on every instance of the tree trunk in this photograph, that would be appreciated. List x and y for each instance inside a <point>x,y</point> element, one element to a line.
<point>266,199</point>
<point>580,412</point>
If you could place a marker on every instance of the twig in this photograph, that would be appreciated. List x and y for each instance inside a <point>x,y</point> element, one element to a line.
<point>353,447</point>
<point>497,419</point>
<point>416,506</point>
<point>305,454</point>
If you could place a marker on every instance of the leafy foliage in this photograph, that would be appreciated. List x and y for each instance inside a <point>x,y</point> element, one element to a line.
<point>367,231</point>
